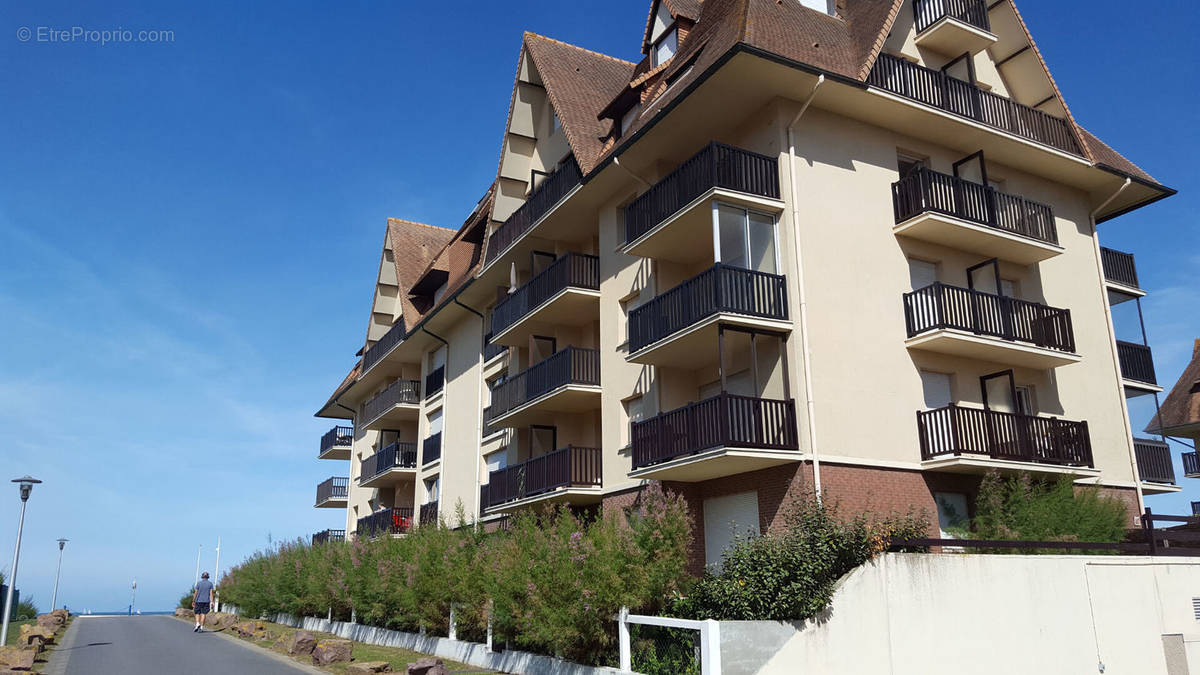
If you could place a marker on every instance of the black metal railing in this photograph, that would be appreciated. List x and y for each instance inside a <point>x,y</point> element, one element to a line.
<point>491,351</point>
<point>568,467</point>
<point>940,306</point>
<point>926,191</point>
<point>394,456</point>
<point>326,536</point>
<point>396,520</point>
<point>720,288</point>
<point>571,365</point>
<point>396,393</point>
<point>332,488</point>
<point>725,420</point>
<point>484,498</point>
<point>1154,461</point>
<point>1196,508</point>
<point>716,166</point>
<point>377,351</point>
<point>488,427</point>
<point>573,270</point>
<point>1137,363</point>
<point>429,513</point>
<point>337,437</point>
<point>431,448</point>
<point>938,89</point>
<point>434,381</point>
<point>973,12</point>
<point>955,430</point>
<point>1191,465</point>
<point>1119,267</point>
<point>547,195</point>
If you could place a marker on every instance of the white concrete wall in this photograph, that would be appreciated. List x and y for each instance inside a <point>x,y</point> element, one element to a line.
<point>926,614</point>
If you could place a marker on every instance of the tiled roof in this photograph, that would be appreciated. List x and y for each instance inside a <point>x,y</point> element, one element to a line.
<point>687,9</point>
<point>341,388</point>
<point>1181,408</point>
<point>414,247</point>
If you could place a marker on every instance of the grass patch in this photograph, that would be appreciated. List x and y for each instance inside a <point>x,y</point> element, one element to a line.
<point>14,631</point>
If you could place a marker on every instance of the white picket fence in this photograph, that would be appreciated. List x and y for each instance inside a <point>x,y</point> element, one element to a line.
<point>710,638</point>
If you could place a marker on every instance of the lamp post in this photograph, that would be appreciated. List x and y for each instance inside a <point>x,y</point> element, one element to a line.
<point>26,484</point>
<point>133,600</point>
<point>217,575</point>
<point>54,598</point>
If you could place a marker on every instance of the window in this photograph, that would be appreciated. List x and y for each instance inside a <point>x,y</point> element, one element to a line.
<point>1009,288</point>
<point>435,422</point>
<point>542,440</point>
<point>952,514</point>
<point>496,461</point>
<point>936,390</point>
<point>628,304</point>
<point>826,6</point>
<point>433,489</point>
<point>921,274</point>
<point>437,295</point>
<point>629,117</point>
<point>634,412</point>
<point>665,48</point>
<point>906,164</point>
<point>1025,400</point>
<point>745,238</point>
<point>555,123</point>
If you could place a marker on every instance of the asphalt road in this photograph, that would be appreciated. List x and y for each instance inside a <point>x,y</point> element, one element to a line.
<point>159,645</point>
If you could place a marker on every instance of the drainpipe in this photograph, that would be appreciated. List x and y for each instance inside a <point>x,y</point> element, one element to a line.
<point>479,408</point>
<point>1112,340</point>
<point>619,165</point>
<point>444,454</point>
<point>810,405</point>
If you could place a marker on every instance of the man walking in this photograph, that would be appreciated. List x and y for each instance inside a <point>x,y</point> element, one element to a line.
<point>201,601</point>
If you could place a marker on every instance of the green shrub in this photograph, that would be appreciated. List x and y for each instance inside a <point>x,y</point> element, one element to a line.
<point>790,575</point>
<point>25,610</point>
<point>1027,509</point>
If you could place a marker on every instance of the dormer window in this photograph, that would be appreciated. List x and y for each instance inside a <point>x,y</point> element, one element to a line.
<point>628,118</point>
<point>665,48</point>
<point>826,6</point>
<point>556,123</point>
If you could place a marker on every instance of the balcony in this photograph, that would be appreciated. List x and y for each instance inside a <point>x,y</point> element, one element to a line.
<point>491,350</point>
<point>673,219</point>
<point>336,443</point>
<point>429,513</point>
<point>389,466</point>
<point>386,522</point>
<point>1154,461</point>
<point>1137,369</point>
<point>326,536</point>
<point>973,440</point>
<point>1120,276</point>
<point>668,330</point>
<point>936,89</point>
<point>382,346</point>
<point>332,493</point>
<point>434,381</point>
<point>952,27</point>
<point>570,474</point>
<point>553,190</point>
<point>963,322</point>
<point>1191,465</point>
<point>716,437</point>
<point>399,402</point>
<point>565,293</point>
<point>947,210</point>
<point>568,381</point>
<point>431,449</point>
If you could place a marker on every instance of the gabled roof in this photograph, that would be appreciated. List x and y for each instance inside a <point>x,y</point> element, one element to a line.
<point>686,9</point>
<point>1179,414</point>
<point>415,246</point>
<point>330,408</point>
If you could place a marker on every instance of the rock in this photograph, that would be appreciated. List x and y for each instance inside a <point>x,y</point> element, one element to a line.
<point>221,621</point>
<point>332,651</point>
<point>17,658</point>
<point>31,632</point>
<point>368,667</point>
<point>428,667</point>
<point>54,620</point>
<point>301,642</point>
<point>249,629</point>
<point>185,613</point>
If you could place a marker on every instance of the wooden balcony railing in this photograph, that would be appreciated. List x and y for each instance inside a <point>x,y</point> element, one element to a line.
<point>1137,362</point>
<point>434,381</point>
<point>326,536</point>
<point>547,195</point>
<point>429,513</point>
<point>940,306</point>
<point>491,351</point>
<point>431,448</point>
<point>488,428</point>
<point>569,467</point>
<point>394,456</point>
<point>726,420</point>
<point>571,365</point>
<point>337,437</point>
<point>573,270</point>
<point>927,191</point>
<point>384,345</point>
<point>720,288</point>
<point>1191,465</point>
<point>333,488</point>
<point>1119,267</point>
<point>398,392</point>
<point>955,430</point>
<point>716,166</point>
<point>1154,461</point>
<point>937,89</point>
<point>973,12</point>
<point>396,520</point>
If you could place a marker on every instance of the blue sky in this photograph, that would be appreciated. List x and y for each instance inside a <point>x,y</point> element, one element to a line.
<point>189,232</point>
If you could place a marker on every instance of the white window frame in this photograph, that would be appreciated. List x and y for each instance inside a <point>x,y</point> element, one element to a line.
<point>716,230</point>
<point>672,34</point>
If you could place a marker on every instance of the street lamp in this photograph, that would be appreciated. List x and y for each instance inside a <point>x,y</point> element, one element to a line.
<point>54,598</point>
<point>26,484</point>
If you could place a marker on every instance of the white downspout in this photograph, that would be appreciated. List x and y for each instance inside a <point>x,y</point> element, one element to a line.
<point>1112,340</point>
<point>810,405</point>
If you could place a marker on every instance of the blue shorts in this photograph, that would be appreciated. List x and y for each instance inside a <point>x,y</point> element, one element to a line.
<point>202,608</point>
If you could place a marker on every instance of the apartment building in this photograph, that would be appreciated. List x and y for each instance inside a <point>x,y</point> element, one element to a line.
<point>846,246</point>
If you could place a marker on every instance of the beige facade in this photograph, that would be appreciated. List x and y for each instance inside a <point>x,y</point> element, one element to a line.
<point>782,302</point>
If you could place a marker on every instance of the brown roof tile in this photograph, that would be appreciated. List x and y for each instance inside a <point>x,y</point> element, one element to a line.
<point>1181,409</point>
<point>415,246</point>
